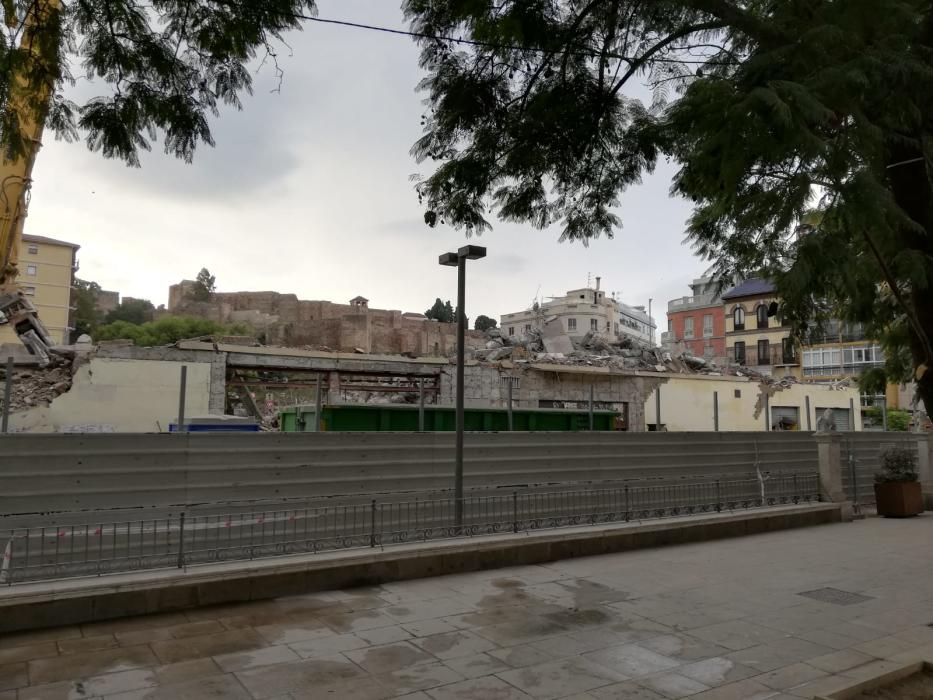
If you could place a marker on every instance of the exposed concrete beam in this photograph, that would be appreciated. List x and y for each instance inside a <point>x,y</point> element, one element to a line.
<point>334,363</point>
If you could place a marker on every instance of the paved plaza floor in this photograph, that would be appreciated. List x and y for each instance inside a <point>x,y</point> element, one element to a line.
<point>783,615</point>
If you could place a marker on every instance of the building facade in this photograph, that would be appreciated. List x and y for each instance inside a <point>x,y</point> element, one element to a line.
<point>840,350</point>
<point>696,324</point>
<point>756,335</point>
<point>582,311</point>
<point>46,275</point>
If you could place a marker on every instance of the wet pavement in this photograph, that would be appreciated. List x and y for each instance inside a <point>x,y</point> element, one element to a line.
<point>713,621</point>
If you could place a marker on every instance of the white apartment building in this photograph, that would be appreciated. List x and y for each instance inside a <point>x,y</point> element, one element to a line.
<point>582,311</point>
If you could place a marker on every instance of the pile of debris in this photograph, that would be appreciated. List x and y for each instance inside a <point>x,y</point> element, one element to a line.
<point>595,350</point>
<point>37,386</point>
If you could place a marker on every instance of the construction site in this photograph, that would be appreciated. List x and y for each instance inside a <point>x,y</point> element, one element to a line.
<point>115,386</point>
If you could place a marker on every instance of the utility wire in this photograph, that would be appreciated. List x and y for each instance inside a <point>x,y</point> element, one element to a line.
<point>483,44</point>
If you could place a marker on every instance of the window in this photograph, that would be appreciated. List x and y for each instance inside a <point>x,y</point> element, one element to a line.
<point>738,393</point>
<point>822,362</point>
<point>740,353</point>
<point>31,270</point>
<point>764,352</point>
<point>688,327</point>
<point>708,326</point>
<point>29,291</point>
<point>788,351</point>
<point>511,330</point>
<point>738,319</point>
<point>862,355</point>
<point>33,250</point>
<point>670,326</point>
<point>527,328</point>
<point>762,313</point>
<point>594,324</point>
<point>571,324</point>
<point>785,418</point>
<point>841,416</point>
<point>616,328</point>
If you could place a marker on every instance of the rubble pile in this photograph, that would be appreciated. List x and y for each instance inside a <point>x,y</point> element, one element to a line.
<point>38,386</point>
<point>626,353</point>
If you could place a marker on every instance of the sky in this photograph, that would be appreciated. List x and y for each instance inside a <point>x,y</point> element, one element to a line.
<point>308,191</point>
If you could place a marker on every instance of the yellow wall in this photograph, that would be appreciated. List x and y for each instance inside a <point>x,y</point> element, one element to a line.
<point>126,396</point>
<point>52,284</point>
<point>687,403</point>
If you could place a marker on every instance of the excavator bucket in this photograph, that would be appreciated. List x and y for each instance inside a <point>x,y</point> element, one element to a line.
<point>17,311</point>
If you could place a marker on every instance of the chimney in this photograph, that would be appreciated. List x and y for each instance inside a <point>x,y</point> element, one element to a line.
<point>597,283</point>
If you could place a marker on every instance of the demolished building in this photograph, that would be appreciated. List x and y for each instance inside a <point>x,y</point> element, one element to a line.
<point>121,388</point>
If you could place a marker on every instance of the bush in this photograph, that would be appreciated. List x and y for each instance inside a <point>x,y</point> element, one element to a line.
<point>897,464</point>
<point>167,330</point>
<point>898,421</point>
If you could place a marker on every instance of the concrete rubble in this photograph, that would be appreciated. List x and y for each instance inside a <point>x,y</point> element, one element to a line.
<point>36,386</point>
<point>553,346</point>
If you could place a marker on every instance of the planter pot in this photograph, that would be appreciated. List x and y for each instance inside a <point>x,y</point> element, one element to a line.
<point>899,499</point>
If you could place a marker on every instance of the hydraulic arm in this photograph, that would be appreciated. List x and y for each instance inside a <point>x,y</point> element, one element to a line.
<point>28,101</point>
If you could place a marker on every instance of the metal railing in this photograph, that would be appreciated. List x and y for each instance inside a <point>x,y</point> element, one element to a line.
<point>190,538</point>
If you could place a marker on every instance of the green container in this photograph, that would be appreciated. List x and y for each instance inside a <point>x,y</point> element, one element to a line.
<point>404,418</point>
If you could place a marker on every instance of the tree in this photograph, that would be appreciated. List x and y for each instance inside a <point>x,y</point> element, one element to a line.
<point>441,311</point>
<point>484,323</point>
<point>87,316</point>
<point>160,68</point>
<point>770,109</point>
<point>204,286</point>
<point>168,330</point>
<point>135,311</point>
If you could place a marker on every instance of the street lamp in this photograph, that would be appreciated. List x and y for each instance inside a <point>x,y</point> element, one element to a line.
<point>458,260</point>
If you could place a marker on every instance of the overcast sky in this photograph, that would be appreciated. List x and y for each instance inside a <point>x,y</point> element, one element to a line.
<point>307,191</point>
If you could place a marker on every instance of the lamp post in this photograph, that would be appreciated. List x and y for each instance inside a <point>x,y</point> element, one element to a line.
<point>458,260</point>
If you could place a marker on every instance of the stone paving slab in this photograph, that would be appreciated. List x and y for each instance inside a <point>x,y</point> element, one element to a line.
<point>721,620</point>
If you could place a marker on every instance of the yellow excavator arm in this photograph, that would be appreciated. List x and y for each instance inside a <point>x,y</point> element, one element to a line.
<point>30,103</point>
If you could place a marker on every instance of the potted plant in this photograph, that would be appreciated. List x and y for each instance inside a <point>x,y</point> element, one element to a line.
<point>897,491</point>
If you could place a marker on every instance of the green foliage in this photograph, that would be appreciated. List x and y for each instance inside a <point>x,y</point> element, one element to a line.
<point>168,330</point>
<point>898,421</point>
<point>441,311</point>
<point>87,316</point>
<point>204,286</point>
<point>771,110</point>
<point>160,68</point>
<point>135,311</point>
<point>897,464</point>
<point>484,323</point>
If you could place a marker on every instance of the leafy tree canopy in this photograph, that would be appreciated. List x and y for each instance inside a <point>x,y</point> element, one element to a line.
<point>484,323</point>
<point>162,68</point>
<point>168,330</point>
<point>86,314</point>
<point>771,109</point>
<point>135,311</point>
<point>441,311</point>
<point>204,286</point>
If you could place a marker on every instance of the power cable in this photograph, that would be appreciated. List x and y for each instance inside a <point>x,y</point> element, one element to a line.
<point>482,44</point>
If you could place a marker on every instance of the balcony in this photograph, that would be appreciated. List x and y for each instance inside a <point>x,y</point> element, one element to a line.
<point>774,356</point>
<point>685,303</point>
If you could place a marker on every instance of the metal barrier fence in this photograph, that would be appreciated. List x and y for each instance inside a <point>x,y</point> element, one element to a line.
<point>861,459</point>
<point>94,549</point>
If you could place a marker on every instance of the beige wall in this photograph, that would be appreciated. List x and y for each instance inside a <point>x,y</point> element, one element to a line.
<point>110,395</point>
<point>52,265</point>
<point>774,333</point>
<point>687,403</point>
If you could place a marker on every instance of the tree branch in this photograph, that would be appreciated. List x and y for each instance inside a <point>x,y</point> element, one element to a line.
<point>639,62</point>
